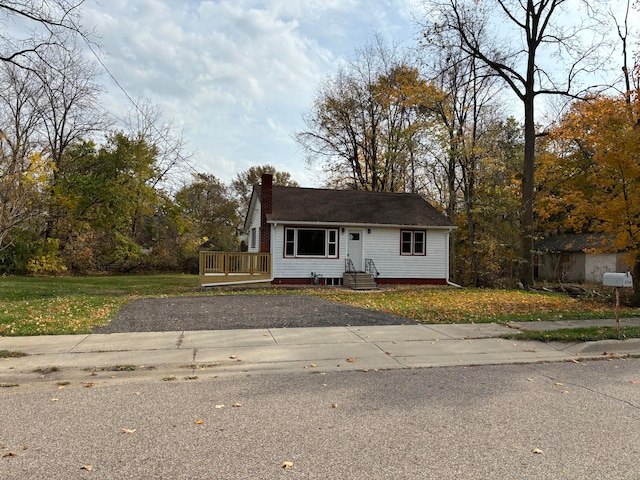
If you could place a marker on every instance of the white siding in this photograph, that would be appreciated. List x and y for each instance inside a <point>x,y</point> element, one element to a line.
<point>254,222</point>
<point>382,245</point>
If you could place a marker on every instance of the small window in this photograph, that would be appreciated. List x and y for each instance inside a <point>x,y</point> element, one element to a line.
<point>407,239</point>
<point>290,243</point>
<point>418,243</point>
<point>413,242</point>
<point>333,243</point>
<point>254,236</point>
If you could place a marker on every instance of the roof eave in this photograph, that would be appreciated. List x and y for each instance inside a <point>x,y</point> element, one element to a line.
<point>345,224</point>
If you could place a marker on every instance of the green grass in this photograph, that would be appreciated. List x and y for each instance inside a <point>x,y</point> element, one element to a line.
<point>590,334</point>
<point>70,305</point>
<point>11,354</point>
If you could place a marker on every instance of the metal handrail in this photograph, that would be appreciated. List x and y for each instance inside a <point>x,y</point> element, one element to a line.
<point>350,268</point>
<point>370,267</point>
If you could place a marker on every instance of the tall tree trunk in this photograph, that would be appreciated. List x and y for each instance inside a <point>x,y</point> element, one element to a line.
<point>526,276</point>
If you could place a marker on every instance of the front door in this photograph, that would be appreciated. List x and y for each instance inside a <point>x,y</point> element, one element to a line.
<point>354,249</point>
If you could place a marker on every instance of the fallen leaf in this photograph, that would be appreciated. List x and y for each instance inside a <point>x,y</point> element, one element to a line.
<point>558,384</point>
<point>334,405</point>
<point>634,381</point>
<point>88,468</point>
<point>313,365</point>
<point>351,359</point>
<point>61,387</point>
<point>219,406</point>
<point>236,404</point>
<point>88,384</point>
<point>199,422</point>
<point>233,357</point>
<point>536,451</point>
<point>55,399</point>
<point>126,430</point>
<point>286,465</point>
<point>9,454</point>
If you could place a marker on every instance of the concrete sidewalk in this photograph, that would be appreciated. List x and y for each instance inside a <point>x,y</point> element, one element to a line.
<point>295,349</point>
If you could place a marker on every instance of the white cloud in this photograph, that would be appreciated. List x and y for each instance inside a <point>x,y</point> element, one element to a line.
<point>236,74</point>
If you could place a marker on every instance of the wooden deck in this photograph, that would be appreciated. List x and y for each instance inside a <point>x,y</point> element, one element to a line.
<point>232,268</point>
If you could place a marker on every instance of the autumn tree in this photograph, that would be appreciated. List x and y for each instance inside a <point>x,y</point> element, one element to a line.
<point>104,196</point>
<point>211,211</point>
<point>367,123</point>
<point>590,175</point>
<point>31,27</point>
<point>464,114</point>
<point>23,164</point>
<point>537,49</point>
<point>173,160</point>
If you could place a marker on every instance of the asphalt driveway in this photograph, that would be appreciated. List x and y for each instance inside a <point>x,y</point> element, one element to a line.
<point>226,312</point>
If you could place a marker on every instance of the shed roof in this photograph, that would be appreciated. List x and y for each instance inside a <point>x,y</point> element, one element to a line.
<point>293,204</point>
<point>574,243</point>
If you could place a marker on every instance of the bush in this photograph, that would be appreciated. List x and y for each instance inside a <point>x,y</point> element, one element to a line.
<point>46,260</point>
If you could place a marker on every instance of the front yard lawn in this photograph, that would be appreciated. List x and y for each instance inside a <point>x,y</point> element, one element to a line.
<point>69,305</point>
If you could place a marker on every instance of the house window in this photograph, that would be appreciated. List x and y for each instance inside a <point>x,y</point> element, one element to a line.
<point>254,236</point>
<point>413,242</point>
<point>311,242</point>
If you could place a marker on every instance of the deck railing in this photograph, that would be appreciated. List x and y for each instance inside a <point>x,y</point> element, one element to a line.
<point>218,268</point>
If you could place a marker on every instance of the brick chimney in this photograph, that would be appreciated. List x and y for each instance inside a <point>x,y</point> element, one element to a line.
<point>266,204</point>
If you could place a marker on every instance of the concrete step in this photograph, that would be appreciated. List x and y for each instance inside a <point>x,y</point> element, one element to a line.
<point>362,281</point>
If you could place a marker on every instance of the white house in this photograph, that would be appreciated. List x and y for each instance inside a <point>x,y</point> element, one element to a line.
<point>326,236</point>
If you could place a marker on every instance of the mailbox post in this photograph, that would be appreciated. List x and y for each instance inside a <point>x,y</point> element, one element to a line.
<point>617,280</point>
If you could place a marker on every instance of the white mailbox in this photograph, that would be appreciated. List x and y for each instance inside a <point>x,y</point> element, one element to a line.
<point>617,279</point>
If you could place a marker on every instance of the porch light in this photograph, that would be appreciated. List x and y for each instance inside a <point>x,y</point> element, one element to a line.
<point>369,231</point>
<point>343,230</point>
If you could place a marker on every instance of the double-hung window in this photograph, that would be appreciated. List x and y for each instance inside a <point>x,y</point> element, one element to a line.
<point>311,242</point>
<point>413,242</point>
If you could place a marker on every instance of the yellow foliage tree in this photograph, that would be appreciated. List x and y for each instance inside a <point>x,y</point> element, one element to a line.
<point>589,175</point>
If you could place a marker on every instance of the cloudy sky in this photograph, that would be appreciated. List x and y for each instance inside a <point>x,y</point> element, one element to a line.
<point>236,75</point>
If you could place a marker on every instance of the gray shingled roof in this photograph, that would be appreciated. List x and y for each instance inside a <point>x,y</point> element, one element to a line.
<point>573,243</point>
<point>291,204</point>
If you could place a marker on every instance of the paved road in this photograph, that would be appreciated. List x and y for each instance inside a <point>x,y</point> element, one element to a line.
<point>433,423</point>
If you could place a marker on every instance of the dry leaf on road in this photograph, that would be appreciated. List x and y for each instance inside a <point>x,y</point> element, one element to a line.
<point>127,430</point>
